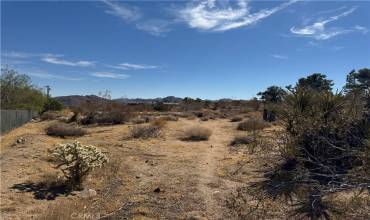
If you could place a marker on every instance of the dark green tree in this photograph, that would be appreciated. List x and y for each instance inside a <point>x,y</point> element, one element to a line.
<point>359,80</point>
<point>273,94</point>
<point>316,81</point>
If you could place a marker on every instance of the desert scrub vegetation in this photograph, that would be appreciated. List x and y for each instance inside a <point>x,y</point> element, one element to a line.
<point>145,131</point>
<point>170,118</point>
<point>139,120</point>
<point>50,115</point>
<point>159,122</point>
<point>105,118</point>
<point>63,130</point>
<point>76,161</point>
<point>197,133</point>
<point>252,124</point>
<point>153,130</point>
<point>324,148</point>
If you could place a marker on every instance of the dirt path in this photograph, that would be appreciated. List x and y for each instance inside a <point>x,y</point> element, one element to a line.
<point>209,181</point>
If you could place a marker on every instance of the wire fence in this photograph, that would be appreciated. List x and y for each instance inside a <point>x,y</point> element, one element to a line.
<point>11,119</point>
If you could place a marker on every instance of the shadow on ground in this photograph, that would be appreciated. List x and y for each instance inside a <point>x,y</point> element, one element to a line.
<point>42,191</point>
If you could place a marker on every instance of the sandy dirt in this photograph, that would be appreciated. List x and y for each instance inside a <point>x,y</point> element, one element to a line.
<point>192,177</point>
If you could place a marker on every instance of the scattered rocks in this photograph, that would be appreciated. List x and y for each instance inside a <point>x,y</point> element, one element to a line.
<point>88,193</point>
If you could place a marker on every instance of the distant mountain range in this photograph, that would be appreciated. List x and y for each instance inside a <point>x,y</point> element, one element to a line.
<point>75,100</point>
<point>168,99</point>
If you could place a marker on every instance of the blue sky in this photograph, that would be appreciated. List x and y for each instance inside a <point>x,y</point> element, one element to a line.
<point>207,49</point>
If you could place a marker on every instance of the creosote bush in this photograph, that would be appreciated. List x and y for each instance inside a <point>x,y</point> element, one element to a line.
<point>252,125</point>
<point>197,133</point>
<point>63,130</point>
<point>145,131</point>
<point>76,161</point>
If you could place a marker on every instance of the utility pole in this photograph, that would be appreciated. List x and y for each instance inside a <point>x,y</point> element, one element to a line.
<point>48,91</point>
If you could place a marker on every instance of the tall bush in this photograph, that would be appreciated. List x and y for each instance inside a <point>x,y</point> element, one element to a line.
<point>325,150</point>
<point>18,92</point>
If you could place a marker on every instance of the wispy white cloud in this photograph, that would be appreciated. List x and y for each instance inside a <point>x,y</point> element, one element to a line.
<point>110,75</point>
<point>57,60</point>
<point>18,57</point>
<point>361,28</point>
<point>279,56</point>
<point>319,31</point>
<point>126,13</point>
<point>212,15</point>
<point>156,27</point>
<point>16,54</point>
<point>131,66</point>
<point>47,75</point>
<point>26,55</point>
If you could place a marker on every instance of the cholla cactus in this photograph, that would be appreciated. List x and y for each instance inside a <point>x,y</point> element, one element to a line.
<point>77,160</point>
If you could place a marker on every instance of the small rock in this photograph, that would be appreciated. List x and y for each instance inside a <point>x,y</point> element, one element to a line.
<point>137,177</point>
<point>20,140</point>
<point>157,190</point>
<point>88,193</point>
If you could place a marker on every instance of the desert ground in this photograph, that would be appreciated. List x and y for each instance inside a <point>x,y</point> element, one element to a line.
<point>157,178</point>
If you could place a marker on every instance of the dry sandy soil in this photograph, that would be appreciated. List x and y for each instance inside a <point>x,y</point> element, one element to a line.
<point>193,177</point>
<point>157,178</point>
